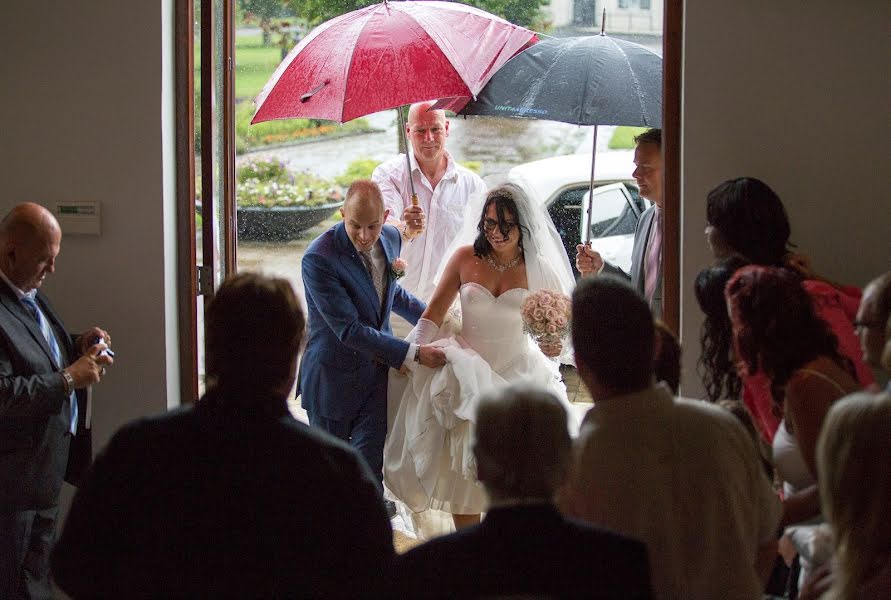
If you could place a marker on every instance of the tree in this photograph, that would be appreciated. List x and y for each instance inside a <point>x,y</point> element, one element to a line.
<point>263,12</point>
<point>520,12</point>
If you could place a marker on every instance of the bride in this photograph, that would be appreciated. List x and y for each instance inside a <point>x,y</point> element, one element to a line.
<point>428,458</point>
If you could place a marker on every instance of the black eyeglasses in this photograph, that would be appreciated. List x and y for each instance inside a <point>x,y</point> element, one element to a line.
<point>506,227</point>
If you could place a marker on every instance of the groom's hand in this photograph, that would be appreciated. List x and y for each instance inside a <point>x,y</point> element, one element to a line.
<point>432,356</point>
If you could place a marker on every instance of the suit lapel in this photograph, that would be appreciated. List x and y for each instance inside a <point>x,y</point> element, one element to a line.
<point>389,282</point>
<point>15,307</point>
<point>352,263</point>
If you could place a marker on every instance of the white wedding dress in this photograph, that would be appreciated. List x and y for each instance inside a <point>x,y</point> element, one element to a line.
<point>428,458</point>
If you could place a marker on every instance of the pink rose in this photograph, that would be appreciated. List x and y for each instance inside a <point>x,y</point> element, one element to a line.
<point>545,300</point>
<point>538,313</point>
<point>399,264</point>
<point>551,328</point>
<point>561,321</point>
<point>550,314</point>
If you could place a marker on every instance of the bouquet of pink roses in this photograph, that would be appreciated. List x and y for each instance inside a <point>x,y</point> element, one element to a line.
<point>546,316</point>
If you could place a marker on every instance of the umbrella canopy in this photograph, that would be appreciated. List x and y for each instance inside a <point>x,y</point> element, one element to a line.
<point>594,80</point>
<point>388,55</point>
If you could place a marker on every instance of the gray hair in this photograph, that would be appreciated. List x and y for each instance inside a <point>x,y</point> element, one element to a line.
<point>522,444</point>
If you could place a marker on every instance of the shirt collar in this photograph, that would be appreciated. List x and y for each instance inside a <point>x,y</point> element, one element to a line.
<point>451,171</point>
<point>18,292</point>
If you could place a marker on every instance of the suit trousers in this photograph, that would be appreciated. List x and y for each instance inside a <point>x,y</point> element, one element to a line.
<point>26,539</point>
<point>366,433</point>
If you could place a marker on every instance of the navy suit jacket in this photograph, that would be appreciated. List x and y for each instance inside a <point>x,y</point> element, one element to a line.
<point>526,551</point>
<point>34,409</point>
<point>350,340</point>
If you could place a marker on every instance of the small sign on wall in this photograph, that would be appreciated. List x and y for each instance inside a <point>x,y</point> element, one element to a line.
<point>82,218</point>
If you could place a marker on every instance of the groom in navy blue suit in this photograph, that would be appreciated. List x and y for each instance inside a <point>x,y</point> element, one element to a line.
<point>350,292</point>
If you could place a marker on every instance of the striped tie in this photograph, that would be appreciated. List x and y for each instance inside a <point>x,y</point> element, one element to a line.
<point>377,277</point>
<point>50,337</point>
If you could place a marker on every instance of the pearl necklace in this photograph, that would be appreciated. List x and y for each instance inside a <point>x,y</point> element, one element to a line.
<point>508,265</point>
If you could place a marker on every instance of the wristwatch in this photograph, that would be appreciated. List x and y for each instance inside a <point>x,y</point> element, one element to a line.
<point>69,381</point>
<point>417,358</point>
<point>404,232</point>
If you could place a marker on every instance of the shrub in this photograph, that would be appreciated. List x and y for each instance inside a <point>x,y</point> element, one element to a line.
<point>361,168</point>
<point>623,137</point>
<point>473,165</point>
<point>270,183</point>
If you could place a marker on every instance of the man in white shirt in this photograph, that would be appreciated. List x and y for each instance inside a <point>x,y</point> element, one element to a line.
<point>443,188</point>
<point>681,475</point>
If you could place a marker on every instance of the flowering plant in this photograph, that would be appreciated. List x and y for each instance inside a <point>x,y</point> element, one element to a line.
<point>547,315</point>
<point>397,268</point>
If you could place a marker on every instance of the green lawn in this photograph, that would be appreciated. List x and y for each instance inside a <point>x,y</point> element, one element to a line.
<point>254,64</point>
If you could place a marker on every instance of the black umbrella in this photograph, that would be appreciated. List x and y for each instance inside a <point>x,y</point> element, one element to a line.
<point>594,80</point>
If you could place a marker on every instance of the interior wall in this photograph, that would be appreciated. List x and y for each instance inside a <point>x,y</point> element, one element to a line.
<point>83,84</point>
<point>796,94</point>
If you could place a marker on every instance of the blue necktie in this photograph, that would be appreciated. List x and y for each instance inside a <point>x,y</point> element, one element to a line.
<point>50,337</point>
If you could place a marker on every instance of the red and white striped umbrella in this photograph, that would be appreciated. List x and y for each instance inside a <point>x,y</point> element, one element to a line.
<point>388,55</point>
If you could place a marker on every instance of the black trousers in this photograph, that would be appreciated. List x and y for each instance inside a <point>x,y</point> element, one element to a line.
<point>26,539</point>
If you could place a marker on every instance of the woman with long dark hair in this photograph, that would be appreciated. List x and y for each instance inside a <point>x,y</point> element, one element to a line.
<point>776,331</point>
<point>747,222</point>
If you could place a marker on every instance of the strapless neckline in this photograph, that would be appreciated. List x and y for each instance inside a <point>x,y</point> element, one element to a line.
<point>489,292</point>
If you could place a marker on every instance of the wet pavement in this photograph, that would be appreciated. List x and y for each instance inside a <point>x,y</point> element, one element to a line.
<point>495,142</point>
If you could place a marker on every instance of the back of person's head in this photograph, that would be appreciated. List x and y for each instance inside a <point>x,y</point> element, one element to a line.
<point>775,327</point>
<point>253,331</point>
<point>613,334</point>
<point>751,220</point>
<point>650,136</point>
<point>716,365</point>
<point>668,357</point>
<point>522,444</point>
<point>854,474</point>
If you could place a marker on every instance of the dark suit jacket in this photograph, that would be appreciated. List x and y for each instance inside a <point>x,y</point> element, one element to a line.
<point>349,339</point>
<point>529,551</point>
<point>638,260</point>
<point>219,501</point>
<point>34,409</point>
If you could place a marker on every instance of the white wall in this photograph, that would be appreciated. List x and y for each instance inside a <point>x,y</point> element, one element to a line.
<point>797,94</point>
<point>81,104</point>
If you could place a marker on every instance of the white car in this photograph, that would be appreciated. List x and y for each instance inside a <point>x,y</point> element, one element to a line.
<point>561,184</point>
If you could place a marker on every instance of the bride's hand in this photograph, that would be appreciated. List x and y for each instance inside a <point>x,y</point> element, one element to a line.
<point>551,350</point>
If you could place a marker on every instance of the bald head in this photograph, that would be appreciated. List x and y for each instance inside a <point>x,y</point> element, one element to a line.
<point>30,238</point>
<point>364,214</point>
<point>27,220</point>
<point>427,130</point>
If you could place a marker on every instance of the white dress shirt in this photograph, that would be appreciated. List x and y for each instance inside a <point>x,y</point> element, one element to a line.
<point>443,206</point>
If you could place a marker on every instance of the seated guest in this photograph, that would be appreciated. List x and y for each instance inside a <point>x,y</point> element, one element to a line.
<point>668,357</point>
<point>854,447</point>
<point>524,547</point>
<point>231,497</point>
<point>681,475</point>
<point>717,365</point>
<point>873,322</point>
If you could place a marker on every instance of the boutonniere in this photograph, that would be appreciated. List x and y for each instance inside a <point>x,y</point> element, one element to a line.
<point>397,268</point>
